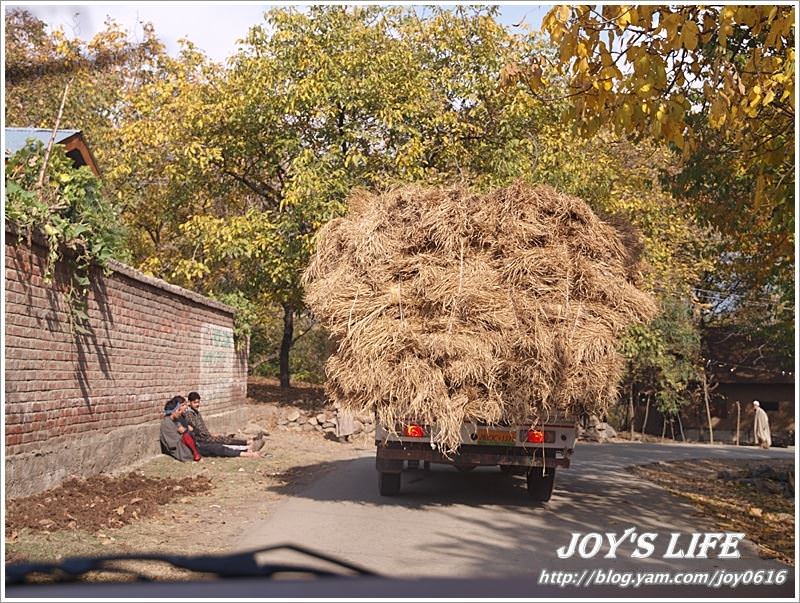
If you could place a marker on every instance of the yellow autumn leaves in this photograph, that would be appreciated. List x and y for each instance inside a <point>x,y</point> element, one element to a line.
<point>630,65</point>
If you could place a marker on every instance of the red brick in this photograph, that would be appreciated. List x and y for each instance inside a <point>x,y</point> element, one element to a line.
<point>146,345</point>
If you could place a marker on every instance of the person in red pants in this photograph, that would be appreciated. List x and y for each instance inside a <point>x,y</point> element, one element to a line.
<point>176,440</point>
<point>177,437</point>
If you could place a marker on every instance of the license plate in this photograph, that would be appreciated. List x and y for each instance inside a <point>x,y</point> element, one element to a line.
<point>495,436</point>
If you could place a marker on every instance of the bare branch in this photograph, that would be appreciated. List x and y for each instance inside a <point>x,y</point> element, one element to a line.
<point>43,169</point>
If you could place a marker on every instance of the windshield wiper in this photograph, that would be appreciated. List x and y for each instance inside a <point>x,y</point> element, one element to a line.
<point>236,565</point>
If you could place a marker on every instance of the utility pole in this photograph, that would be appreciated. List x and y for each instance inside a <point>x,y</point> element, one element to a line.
<point>708,407</point>
<point>632,412</point>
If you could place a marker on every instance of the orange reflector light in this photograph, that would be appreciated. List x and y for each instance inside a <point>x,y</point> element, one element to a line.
<point>413,431</point>
<point>535,436</point>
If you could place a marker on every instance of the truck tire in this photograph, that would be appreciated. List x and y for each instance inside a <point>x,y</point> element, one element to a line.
<point>540,486</point>
<point>389,484</point>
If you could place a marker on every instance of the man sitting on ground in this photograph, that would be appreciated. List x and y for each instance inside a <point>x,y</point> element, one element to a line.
<point>202,433</point>
<point>176,444</point>
<point>175,441</point>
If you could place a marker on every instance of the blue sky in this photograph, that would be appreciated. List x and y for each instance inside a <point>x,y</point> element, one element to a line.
<point>214,27</point>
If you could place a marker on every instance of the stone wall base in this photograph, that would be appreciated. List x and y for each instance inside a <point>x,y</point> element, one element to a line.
<point>91,453</point>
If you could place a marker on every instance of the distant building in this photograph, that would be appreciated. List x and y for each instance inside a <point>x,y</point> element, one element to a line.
<point>71,140</point>
<point>773,388</point>
<point>741,371</point>
<point>737,376</point>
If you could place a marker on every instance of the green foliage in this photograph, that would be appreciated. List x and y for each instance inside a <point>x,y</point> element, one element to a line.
<point>223,174</point>
<point>311,348</point>
<point>751,288</point>
<point>80,226</point>
<point>664,355</point>
<point>716,83</point>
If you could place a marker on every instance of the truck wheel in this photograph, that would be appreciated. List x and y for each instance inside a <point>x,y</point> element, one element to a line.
<point>540,487</point>
<point>389,484</point>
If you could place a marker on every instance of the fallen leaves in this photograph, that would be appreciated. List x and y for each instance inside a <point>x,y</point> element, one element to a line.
<point>99,502</point>
<point>716,489</point>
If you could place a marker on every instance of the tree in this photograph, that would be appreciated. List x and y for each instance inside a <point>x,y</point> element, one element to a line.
<point>225,174</point>
<point>40,62</point>
<point>105,72</point>
<point>664,357</point>
<point>241,167</point>
<point>316,104</point>
<point>716,83</point>
<point>157,167</point>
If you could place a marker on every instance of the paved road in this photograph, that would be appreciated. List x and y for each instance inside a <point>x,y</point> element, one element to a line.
<point>447,523</point>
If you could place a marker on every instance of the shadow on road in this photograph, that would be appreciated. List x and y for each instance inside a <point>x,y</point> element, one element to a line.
<point>599,477</point>
<point>482,523</point>
<point>583,500</point>
<point>440,486</point>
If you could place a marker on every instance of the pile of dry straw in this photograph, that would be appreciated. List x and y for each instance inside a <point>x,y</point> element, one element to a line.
<point>453,306</point>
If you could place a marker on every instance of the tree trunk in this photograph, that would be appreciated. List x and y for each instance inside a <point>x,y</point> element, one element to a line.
<point>680,425</point>
<point>663,427</point>
<point>286,343</point>
<point>646,414</point>
<point>632,410</point>
<point>708,409</point>
<point>738,418</point>
<point>672,428</point>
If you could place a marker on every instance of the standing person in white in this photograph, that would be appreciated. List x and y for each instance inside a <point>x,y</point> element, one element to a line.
<point>761,426</point>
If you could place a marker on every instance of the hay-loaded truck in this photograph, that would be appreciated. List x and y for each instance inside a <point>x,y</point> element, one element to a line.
<point>446,300</point>
<point>516,449</point>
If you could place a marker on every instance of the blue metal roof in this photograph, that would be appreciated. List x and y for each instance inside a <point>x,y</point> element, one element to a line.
<point>15,138</point>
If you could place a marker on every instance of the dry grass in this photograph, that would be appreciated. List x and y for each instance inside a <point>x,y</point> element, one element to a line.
<point>452,306</point>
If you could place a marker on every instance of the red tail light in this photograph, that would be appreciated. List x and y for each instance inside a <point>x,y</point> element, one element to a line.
<point>413,431</point>
<point>535,436</point>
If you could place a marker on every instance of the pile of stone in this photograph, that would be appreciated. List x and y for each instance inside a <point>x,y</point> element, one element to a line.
<point>765,479</point>
<point>323,421</point>
<point>597,431</point>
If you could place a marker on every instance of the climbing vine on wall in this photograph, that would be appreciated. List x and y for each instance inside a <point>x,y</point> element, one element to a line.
<point>67,208</point>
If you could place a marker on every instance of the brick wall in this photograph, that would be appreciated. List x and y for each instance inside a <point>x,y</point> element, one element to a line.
<point>81,403</point>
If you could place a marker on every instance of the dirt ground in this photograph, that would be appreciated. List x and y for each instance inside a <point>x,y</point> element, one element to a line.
<point>99,503</point>
<point>738,496</point>
<point>204,508</point>
<point>184,508</point>
<point>304,396</point>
